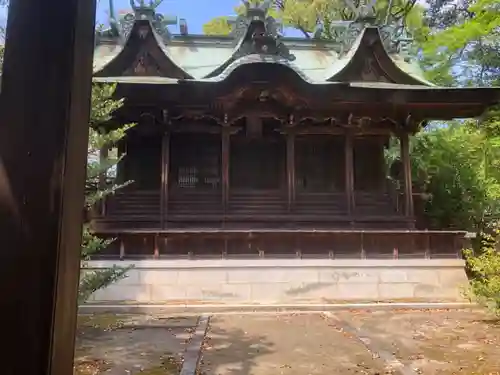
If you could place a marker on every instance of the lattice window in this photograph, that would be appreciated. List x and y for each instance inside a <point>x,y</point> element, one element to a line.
<point>369,164</point>
<point>257,163</point>
<point>196,161</point>
<point>319,163</point>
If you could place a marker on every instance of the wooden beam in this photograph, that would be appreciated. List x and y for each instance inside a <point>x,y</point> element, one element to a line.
<point>103,157</point>
<point>349,171</point>
<point>338,130</point>
<point>290,169</point>
<point>405,157</point>
<point>165,168</point>
<point>46,87</point>
<point>121,168</point>
<point>195,127</point>
<point>226,144</point>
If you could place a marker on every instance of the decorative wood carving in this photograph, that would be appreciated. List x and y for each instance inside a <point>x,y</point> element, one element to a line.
<point>144,65</point>
<point>262,101</point>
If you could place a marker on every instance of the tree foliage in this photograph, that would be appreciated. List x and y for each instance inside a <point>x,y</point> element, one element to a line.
<point>307,15</point>
<point>483,266</point>
<point>464,43</point>
<point>456,169</point>
<point>103,106</point>
<point>462,162</point>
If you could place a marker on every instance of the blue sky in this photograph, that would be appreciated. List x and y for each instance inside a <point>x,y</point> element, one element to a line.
<point>196,12</point>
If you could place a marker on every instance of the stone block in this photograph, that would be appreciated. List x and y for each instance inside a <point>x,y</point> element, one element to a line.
<point>166,276</point>
<point>220,293</point>
<point>202,276</point>
<point>355,291</point>
<point>137,293</point>
<point>268,293</point>
<point>433,292</point>
<point>452,277</point>
<point>391,291</point>
<point>161,293</point>
<point>252,275</point>
<point>393,276</point>
<point>425,276</point>
<point>308,290</point>
<point>240,292</point>
<point>349,275</point>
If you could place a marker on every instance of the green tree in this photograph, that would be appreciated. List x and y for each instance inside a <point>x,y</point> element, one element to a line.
<point>103,106</point>
<point>464,46</point>
<point>456,169</point>
<point>307,15</point>
<point>483,266</point>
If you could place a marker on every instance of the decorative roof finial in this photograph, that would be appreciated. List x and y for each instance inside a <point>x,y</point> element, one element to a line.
<point>258,33</point>
<point>364,11</point>
<point>265,5</point>
<point>141,4</point>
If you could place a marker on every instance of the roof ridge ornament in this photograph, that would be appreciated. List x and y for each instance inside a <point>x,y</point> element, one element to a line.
<point>395,37</point>
<point>142,10</point>
<point>364,11</point>
<point>259,33</point>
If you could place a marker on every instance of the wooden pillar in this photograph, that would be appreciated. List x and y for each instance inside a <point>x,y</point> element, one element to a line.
<point>122,248</point>
<point>226,142</point>
<point>44,104</point>
<point>290,169</point>
<point>165,168</point>
<point>405,157</point>
<point>120,168</point>
<point>349,172</point>
<point>156,251</point>
<point>103,157</point>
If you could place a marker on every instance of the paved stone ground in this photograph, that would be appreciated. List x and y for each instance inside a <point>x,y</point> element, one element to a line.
<point>349,342</point>
<point>129,345</point>
<point>388,342</point>
<point>434,342</point>
<point>282,344</point>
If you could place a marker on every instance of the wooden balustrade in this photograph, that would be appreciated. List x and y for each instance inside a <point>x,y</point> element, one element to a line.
<point>204,208</point>
<point>301,243</point>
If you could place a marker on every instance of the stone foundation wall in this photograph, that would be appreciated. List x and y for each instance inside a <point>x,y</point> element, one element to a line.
<point>285,280</point>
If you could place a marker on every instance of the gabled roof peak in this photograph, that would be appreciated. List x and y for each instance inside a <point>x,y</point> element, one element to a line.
<point>394,33</point>
<point>141,10</point>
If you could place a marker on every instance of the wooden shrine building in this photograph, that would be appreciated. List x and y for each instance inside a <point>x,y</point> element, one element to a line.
<point>258,145</point>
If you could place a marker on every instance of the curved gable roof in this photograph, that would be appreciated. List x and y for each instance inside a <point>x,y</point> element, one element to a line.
<point>142,54</point>
<point>368,60</point>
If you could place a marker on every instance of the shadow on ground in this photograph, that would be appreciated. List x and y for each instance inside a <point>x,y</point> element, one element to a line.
<point>234,351</point>
<point>127,344</point>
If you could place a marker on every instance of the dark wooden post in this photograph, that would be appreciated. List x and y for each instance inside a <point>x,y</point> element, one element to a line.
<point>120,168</point>
<point>165,168</point>
<point>290,168</point>
<point>349,172</point>
<point>405,157</point>
<point>226,142</point>
<point>103,157</point>
<point>44,104</point>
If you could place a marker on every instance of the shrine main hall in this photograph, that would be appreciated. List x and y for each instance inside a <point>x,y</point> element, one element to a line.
<point>257,164</point>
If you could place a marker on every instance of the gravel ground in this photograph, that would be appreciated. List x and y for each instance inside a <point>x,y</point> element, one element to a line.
<point>434,342</point>
<point>129,345</point>
<point>282,344</point>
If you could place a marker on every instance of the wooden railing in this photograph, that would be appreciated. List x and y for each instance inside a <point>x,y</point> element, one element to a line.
<point>285,243</point>
<point>321,204</point>
<point>192,208</point>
